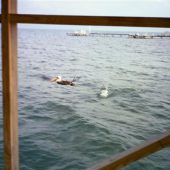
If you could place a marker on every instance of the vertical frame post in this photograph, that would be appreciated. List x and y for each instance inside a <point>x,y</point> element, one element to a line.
<point>9,75</point>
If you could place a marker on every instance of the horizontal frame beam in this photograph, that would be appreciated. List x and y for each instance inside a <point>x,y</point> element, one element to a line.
<point>91,20</point>
<point>125,158</point>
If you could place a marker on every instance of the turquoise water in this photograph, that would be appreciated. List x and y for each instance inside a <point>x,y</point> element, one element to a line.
<point>73,128</point>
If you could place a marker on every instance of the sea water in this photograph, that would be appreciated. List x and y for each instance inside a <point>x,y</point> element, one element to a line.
<point>73,128</point>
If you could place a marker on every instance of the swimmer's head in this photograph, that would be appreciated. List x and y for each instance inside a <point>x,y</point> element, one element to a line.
<point>103,87</point>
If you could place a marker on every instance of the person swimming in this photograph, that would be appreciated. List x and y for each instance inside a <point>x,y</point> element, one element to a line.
<point>59,80</point>
<point>104,92</point>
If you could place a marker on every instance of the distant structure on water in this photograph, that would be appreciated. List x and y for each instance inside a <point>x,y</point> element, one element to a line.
<point>141,36</point>
<point>79,33</point>
<point>115,34</point>
<point>148,36</point>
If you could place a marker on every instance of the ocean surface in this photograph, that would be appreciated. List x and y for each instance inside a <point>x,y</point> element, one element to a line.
<point>72,127</point>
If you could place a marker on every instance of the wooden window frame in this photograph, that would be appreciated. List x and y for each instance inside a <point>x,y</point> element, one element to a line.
<point>9,19</point>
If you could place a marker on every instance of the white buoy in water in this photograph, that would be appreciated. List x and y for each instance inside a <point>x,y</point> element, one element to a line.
<point>104,92</point>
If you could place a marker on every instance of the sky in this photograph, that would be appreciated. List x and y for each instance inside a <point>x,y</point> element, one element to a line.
<point>152,8</point>
<point>145,8</point>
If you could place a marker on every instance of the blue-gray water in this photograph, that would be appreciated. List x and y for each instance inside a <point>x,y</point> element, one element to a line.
<point>73,128</point>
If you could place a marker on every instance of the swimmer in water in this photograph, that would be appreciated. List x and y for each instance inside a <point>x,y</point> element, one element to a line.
<point>59,80</point>
<point>104,92</point>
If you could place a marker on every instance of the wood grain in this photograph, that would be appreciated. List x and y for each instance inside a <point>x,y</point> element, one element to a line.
<point>10,97</point>
<point>125,158</point>
<point>91,20</point>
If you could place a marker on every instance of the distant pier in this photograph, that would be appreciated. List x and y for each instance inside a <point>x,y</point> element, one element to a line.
<point>126,35</point>
<point>130,35</point>
<point>101,34</point>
